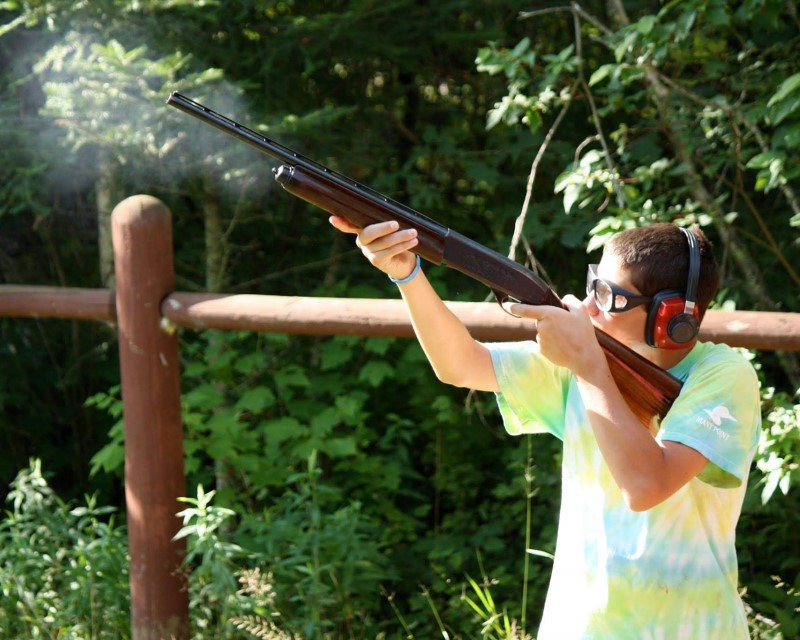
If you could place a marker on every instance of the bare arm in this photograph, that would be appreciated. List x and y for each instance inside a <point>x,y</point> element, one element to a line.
<point>646,471</point>
<point>456,357</point>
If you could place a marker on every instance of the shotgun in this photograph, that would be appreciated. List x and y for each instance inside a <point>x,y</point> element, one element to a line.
<point>648,389</point>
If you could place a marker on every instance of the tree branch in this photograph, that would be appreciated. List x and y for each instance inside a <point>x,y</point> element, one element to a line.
<point>518,225</point>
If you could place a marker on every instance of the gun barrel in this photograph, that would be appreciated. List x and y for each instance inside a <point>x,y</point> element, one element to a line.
<point>231,127</point>
<point>292,158</point>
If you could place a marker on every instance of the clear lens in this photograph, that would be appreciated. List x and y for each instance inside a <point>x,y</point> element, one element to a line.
<point>603,295</point>
<point>591,277</point>
<point>610,297</point>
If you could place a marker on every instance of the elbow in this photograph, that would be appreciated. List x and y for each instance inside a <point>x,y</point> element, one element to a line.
<point>466,366</point>
<point>642,498</point>
<point>451,377</point>
<point>638,503</point>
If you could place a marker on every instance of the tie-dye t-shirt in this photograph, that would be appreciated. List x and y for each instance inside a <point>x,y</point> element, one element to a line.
<point>669,572</point>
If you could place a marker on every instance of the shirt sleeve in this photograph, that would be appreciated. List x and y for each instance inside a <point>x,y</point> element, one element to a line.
<point>533,391</point>
<point>718,413</point>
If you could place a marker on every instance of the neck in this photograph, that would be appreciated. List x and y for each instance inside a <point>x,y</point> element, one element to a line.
<point>664,358</point>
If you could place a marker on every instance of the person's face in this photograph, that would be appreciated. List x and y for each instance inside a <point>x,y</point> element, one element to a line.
<point>627,326</point>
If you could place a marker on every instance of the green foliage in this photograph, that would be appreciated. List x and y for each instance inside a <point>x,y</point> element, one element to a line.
<point>496,625</point>
<point>63,569</point>
<point>327,555</point>
<point>779,449</point>
<point>213,562</point>
<point>122,120</point>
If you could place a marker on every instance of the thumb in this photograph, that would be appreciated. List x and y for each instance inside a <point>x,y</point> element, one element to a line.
<point>572,302</point>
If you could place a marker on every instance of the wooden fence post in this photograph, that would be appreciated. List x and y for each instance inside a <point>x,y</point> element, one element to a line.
<point>150,374</point>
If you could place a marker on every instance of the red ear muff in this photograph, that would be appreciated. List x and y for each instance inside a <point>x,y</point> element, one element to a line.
<point>668,326</point>
<point>673,320</point>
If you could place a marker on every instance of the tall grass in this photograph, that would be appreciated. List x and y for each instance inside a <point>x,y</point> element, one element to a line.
<point>64,575</point>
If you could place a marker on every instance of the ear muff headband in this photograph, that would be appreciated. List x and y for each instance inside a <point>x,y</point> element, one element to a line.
<point>694,271</point>
<point>672,321</point>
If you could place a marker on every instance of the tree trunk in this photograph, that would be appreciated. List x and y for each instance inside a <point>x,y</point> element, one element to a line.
<point>106,198</point>
<point>216,282</point>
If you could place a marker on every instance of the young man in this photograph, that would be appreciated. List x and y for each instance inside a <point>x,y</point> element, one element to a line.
<point>646,532</point>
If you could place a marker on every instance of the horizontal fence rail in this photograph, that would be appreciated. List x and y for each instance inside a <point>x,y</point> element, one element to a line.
<point>761,330</point>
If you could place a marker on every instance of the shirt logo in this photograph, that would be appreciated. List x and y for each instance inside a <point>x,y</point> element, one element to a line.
<point>717,414</point>
<point>715,418</point>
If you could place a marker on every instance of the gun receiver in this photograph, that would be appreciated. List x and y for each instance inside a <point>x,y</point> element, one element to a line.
<point>648,389</point>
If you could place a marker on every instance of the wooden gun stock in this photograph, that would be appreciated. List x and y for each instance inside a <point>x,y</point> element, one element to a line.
<point>648,389</point>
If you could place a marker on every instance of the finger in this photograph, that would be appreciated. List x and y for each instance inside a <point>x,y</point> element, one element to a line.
<point>372,232</point>
<point>394,242</point>
<point>385,256</point>
<point>530,311</point>
<point>343,225</point>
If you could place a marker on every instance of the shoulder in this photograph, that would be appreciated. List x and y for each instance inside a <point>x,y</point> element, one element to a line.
<point>721,375</point>
<point>721,363</point>
<point>718,411</point>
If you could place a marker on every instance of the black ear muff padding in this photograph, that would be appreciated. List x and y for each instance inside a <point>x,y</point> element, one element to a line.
<point>683,328</point>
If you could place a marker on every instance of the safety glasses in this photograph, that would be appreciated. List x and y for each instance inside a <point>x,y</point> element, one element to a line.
<point>610,297</point>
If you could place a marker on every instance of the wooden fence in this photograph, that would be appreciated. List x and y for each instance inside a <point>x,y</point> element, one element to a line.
<point>146,310</point>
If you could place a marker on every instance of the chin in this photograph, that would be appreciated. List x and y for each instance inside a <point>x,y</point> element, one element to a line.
<point>633,343</point>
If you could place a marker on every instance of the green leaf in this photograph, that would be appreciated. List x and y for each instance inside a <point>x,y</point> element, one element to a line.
<point>292,376</point>
<point>533,119</point>
<point>521,47</point>
<point>256,399</point>
<point>572,192</point>
<point>109,459</point>
<point>350,405</point>
<point>783,109</point>
<point>339,447</point>
<point>626,45</point>
<point>764,160</point>
<point>789,623</point>
<point>717,16</point>
<point>489,61</point>
<point>280,430</point>
<point>788,136</point>
<point>375,372</point>
<point>334,354</point>
<point>788,86</point>
<point>684,24</point>
<point>251,363</point>
<point>378,346</point>
<point>204,397</point>
<point>322,423</point>
<point>646,24</point>
<point>543,554</point>
<point>220,448</point>
<point>493,118</point>
<point>601,73</point>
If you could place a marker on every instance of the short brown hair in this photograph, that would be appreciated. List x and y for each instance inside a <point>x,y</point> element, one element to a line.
<point>656,257</point>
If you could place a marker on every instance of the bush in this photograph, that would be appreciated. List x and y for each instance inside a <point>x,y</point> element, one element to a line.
<point>63,570</point>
